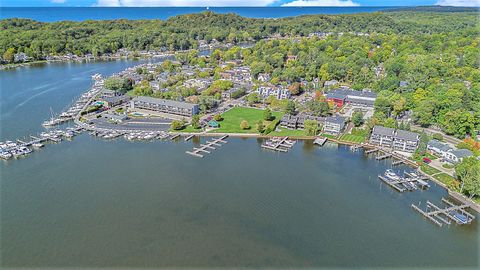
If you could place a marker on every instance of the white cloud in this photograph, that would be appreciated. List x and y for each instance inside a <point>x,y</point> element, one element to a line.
<point>183,3</point>
<point>321,3</point>
<point>58,1</point>
<point>459,3</point>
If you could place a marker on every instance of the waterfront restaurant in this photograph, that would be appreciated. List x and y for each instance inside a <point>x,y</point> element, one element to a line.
<point>164,106</point>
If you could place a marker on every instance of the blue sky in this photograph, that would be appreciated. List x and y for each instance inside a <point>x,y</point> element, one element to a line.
<point>88,3</point>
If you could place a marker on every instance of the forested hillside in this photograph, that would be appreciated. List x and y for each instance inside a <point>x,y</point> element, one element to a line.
<point>39,39</point>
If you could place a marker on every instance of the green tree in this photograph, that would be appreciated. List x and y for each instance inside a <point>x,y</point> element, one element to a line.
<point>290,108</point>
<point>9,55</point>
<point>311,127</point>
<point>253,98</point>
<point>267,115</point>
<point>357,118</point>
<point>195,121</point>
<point>176,125</point>
<point>260,126</point>
<point>468,172</point>
<point>218,117</point>
<point>244,125</point>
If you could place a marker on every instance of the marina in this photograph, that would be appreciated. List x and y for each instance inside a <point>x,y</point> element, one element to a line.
<point>282,144</point>
<point>411,182</point>
<point>450,212</point>
<point>210,145</point>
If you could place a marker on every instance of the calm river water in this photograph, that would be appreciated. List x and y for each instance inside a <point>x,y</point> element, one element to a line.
<point>96,203</point>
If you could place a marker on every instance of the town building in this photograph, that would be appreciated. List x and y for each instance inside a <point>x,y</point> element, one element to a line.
<point>334,125</point>
<point>400,140</point>
<point>117,118</point>
<point>406,141</point>
<point>277,92</point>
<point>382,136</point>
<point>343,96</point>
<point>298,121</point>
<point>115,100</point>
<point>165,106</point>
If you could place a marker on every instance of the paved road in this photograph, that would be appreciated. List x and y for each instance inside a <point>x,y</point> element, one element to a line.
<point>430,131</point>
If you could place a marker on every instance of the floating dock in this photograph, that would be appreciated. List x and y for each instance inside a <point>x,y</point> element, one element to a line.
<point>392,184</point>
<point>278,144</point>
<point>320,141</point>
<point>397,162</point>
<point>174,136</point>
<point>451,212</point>
<point>189,137</point>
<point>197,152</point>
<point>371,151</point>
<point>384,156</point>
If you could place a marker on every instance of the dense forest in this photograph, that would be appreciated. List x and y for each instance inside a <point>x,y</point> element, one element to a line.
<point>39,39</point>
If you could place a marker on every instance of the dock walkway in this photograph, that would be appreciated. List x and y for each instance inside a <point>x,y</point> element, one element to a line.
<point>196,152</point>
<point>276,144</point>
<point>451,212</point>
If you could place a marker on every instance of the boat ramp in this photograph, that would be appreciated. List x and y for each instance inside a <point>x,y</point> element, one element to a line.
<point>210,145</point>
<point>278,144</point>
<point>450,212</point>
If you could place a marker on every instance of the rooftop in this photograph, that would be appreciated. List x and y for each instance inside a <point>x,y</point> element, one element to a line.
<point>166,102</point>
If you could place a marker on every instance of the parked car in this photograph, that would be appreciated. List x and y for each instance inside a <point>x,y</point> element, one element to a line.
<point>427,160</point>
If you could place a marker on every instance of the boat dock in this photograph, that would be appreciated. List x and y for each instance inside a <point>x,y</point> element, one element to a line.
<point>384,156</point>
<point>371,151</point>
<point>210,145</point>
<point>397,162</point>
<point>451,212</point>
<point>320,141</point>
<point>174,136</point>
<point>392,184</point>
<point>278,144</point>
<point>189,137</point>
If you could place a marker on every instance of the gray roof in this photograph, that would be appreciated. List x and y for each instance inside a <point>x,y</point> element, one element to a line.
<point>341,93</point>
<point>166,102</point>
<point>461,153</point>
<point>383,131</point>
<point>406,135</point>
<point>336,120</point>
<point>439,145</point>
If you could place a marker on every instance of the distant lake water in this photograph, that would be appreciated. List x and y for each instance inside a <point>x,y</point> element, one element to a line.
<point>50,14</point>
<point>97,203</point>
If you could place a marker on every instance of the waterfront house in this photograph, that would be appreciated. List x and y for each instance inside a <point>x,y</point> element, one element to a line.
<point>438,148</point>
<point>298,121</point>
<point>382,136</point>
<point>164,106</point>
<point>456,156</point>
<point>406,141</point>
<point>334,125</point>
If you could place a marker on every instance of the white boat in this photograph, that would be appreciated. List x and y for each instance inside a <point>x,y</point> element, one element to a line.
<point>5,155</point>
<point>391,175</point>
<point>38,145</point>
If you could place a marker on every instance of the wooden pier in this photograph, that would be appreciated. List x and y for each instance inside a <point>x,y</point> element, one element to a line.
<point>189,137</point>
<point>174,136</point>
<point>451,212</point>
<point>208,145</point>
<point>384,156</point>
<point>397,162</point>
<point>371,151</point>
<point>281,145</point>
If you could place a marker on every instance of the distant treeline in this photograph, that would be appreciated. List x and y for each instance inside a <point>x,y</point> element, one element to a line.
<point>38,39</point>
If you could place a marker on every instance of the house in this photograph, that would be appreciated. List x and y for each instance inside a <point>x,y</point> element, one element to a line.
<point>334,125</point>
<point>446,152</point>
<point>20,57</point>
<point>382,136</point>
<point>115,100</point>
<point>164,106</point>
<point>343,96</point>
<point>298,121</point>
<point>277,92</point>
<point>456,156</point>
<point>438,148</point>
<point>110,93</point>
<point>406,141</point>
<point>264,77</point>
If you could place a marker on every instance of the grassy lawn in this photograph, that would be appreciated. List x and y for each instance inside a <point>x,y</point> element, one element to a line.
<point>328,136</point>
<point>353,138</point>
<point>427,169</point>
<point>448,180</point>
<point>233,118</point>
<point>189,129</point>
<point>287,132</point>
